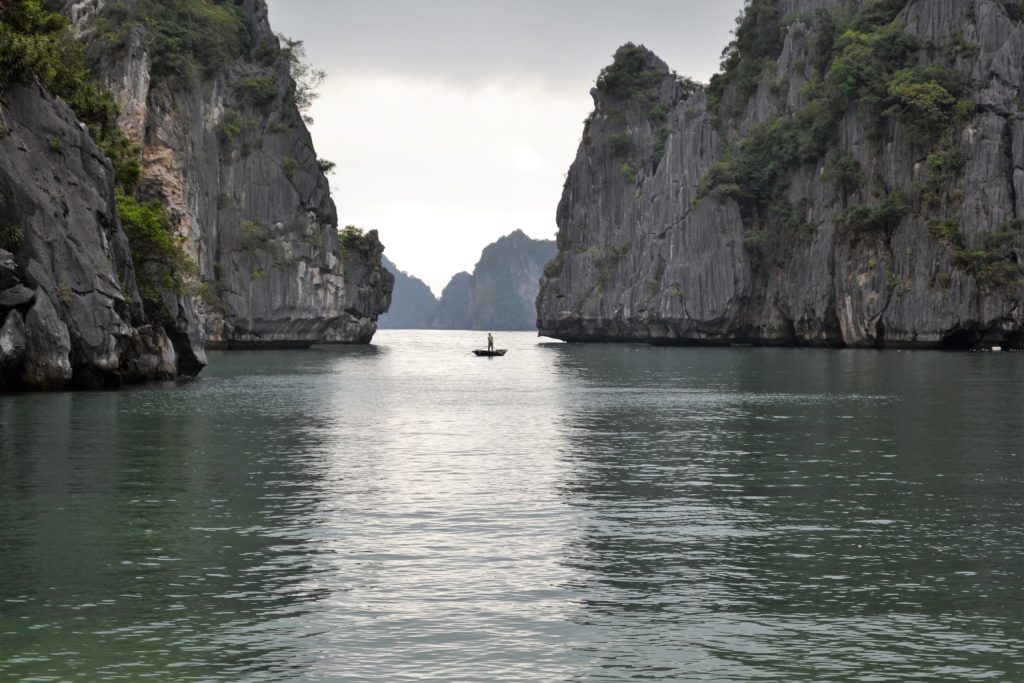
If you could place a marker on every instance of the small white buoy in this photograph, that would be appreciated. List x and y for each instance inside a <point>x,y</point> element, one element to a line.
<point>997,348</point>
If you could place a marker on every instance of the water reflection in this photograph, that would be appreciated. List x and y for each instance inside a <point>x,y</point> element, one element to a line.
<point>152,522</point>
<point>409,512</point>
<point>755,513</point>
<point>444,546</point>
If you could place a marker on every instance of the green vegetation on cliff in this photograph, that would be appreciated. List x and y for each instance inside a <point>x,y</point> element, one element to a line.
<point>33,45</point>
<point>353,239</point>
<point>186,39</point>
<point>760,37</point>
<point>11,236</point>
<point>158,255</point>
<point>305,78</point>
<point>36,46</point>
<point>635,79</point>
<point>864,62</point>
<point>994,260</point>
<point>629,77</point>
<point>758,42</point>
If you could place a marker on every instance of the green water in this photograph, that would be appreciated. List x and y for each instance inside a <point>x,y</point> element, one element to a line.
<point>565,513</point>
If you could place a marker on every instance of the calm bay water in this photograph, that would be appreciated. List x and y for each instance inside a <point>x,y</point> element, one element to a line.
<point>565,513</point>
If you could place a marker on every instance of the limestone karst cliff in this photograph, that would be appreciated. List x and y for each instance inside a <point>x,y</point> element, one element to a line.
<point>226,150</point>
<point>854,176</point>
<point>182,208</point>
<point>498,295</point>
<point>501,291</point>
<point>71,308</point>
<point>453,306</point>
<point>412,303</point>
<point>69,305</point>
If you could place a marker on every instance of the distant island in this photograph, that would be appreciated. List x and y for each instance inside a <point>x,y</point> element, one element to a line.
<point>412,303</point>
<point>500,294</point>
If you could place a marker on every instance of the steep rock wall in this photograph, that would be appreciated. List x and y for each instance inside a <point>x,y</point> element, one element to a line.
<point>645,254</point>
<point>70,313</point>
<point>228,153</point>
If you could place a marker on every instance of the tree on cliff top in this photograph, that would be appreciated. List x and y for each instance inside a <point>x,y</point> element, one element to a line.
<point>186,39</point>
<point>307,79</point>
<point>632,74</point>
<point>36,46</point>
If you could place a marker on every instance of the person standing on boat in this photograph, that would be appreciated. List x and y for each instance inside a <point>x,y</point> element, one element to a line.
<point>490,342</point>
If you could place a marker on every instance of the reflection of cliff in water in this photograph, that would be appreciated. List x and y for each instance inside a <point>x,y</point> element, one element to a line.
<point>643,444</point>
<point>787,489</point>
<point>140,515</point>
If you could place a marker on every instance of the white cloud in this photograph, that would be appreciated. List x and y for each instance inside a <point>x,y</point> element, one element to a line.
<point>441,168</point>
<point>527,160</point>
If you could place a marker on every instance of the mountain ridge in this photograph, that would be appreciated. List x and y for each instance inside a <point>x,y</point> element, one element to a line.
<point>498,295</point>
<point>501,291</point>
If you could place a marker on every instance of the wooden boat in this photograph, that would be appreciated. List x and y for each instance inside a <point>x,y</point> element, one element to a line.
<point>485,352</point>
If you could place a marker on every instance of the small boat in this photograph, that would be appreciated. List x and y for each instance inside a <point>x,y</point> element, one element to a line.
<point>485,352</point>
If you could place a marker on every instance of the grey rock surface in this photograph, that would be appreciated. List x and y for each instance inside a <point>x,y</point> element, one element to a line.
<point>640,257</point>
<point>16,297</point>
<point>236,167</point>
<point>452,311</point>
<point>8,270</point>
<point>47,357</point>
<point>151,356</point>
<point>12,350</point>
<point>72,263</point>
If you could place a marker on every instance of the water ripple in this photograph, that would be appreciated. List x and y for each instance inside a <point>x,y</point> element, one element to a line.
<point>575,513</point>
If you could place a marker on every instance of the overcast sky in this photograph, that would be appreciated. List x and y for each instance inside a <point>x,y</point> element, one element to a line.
<point>453,122</point>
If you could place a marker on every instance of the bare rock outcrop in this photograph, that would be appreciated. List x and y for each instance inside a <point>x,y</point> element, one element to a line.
<point>228,153</point>
<point>70,310</point>
<point>47,363</point>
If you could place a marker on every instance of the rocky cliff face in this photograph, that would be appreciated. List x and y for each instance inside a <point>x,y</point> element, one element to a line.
<point>69,307</point>
<point>831,186</point>
<point>412,303</point>
<point>500,293</point>
<point>95,287</point>
<point>226,150</point>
